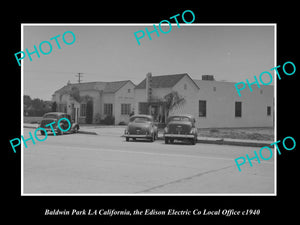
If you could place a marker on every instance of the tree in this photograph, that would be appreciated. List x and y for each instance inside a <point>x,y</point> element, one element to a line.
<point>36,106</point>
<point>27,100</point>
<point>53,107</point>
<point>172,101</point>
<point>74,93</point>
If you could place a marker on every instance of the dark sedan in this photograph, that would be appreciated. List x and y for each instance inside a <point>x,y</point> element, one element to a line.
<point>141,126</point>
<point>55,117</point>
<point>180,127</point>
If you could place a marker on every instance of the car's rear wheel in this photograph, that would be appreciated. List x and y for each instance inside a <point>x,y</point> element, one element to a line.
<point>152,137</point>
<point>166,140</point>
<point>127,138</point>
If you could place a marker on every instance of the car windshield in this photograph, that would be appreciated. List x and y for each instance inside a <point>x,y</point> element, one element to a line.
<point>179,118</point>
<point>53,116</point>
<point>140,119</point>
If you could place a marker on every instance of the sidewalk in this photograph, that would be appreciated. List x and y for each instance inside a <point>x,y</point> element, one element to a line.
<point>118,131</point>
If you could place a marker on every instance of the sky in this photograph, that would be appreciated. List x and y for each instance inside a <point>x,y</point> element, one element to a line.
<point>111,53</point>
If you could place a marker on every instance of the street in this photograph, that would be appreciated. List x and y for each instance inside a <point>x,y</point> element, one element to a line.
<point>107,164</point>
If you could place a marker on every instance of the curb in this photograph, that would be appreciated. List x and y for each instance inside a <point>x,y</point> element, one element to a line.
<point>87,132</point>
<point>231,142</point>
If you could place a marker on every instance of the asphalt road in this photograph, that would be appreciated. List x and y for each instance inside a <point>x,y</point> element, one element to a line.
<point>107,164</point>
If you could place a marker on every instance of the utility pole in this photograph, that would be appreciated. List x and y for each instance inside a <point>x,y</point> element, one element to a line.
<point>79,76</point>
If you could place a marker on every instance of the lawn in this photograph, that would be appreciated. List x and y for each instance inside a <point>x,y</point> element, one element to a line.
<point>262,134</point>
<point>32,119</point>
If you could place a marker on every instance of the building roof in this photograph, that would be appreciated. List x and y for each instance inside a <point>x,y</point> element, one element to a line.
<point>163,81</point>
<point>106,87</point>
<point>199,82</point>
<point>112,87</point>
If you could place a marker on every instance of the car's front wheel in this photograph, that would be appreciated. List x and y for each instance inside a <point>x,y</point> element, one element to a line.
<point>193,141</point>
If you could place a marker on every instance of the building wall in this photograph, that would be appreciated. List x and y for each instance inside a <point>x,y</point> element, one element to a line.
<point>187,89</point>
<point>123,96</point>
<point>220,100</point>
<point>95,95</point>
<point>107,98</point>
<point>140,95</point>
<point>220,105</point>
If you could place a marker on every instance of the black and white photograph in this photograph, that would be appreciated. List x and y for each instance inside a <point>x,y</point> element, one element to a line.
<point>143,113</point>
<point>163,117</point>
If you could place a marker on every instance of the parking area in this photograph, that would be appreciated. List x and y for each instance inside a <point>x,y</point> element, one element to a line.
<point>107,164</point>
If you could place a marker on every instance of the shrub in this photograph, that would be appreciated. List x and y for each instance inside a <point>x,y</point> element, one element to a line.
<point>213,130</point>
<point>109,120</point>
<point>122,123</point>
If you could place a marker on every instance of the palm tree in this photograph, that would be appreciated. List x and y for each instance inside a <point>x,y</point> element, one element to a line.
<point>172,101</point>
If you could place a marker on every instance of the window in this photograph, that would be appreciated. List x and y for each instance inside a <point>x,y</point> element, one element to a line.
<point>83,109</point>
<point>238,109</point>
<point>184,86</point>
<point>179,118</point>
<point>108,109</point>
<point>268,110</point>
<point>125,109</point>
<point>128,90</point>
<point>139,119</point>
<point>143,108</point>
<point>214,88</point>
<point>202,108</point>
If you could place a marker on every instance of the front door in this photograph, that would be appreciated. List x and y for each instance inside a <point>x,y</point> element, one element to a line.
<point>89,112</point>
<point>154,111</point>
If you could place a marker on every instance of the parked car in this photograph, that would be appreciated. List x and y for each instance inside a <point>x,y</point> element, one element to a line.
<point>180,127</point>
<point>55,117</point>
<point>141,126</point>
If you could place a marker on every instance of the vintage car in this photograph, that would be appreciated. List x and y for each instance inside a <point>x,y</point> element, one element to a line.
<point>55,117</point>
<point>141,126</point>
<point>180,127</point>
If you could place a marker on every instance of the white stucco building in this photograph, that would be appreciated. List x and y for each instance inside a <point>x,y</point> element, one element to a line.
<point>97,101</point>
<point>212,103</point>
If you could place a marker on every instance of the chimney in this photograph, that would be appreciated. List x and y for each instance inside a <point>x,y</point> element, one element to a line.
<point>208,77</point>
<point>148,86</point>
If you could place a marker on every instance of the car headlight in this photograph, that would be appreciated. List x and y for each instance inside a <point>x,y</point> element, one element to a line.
<point>126,131</point>
<point>192,131</point>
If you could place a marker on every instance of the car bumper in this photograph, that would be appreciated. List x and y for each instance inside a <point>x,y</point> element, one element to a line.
<point>138,135</point>
<point>56,130</point>
<point>179,136</point>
